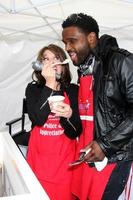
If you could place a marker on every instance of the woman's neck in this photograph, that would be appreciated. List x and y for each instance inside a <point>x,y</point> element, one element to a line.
<point>55,86</point>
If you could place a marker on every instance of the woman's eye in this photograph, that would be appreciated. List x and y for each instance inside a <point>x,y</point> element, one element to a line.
<point>57,59</point>
<point>45,59</point>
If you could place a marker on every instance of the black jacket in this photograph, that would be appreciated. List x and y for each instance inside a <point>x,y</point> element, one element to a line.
<point>113,100</point>
<point>38,107</point>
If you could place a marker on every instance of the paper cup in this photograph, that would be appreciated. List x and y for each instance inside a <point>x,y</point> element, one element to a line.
<point>55,100</point>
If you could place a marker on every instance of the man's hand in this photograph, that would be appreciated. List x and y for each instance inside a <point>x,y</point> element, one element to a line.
<point>95,153</point>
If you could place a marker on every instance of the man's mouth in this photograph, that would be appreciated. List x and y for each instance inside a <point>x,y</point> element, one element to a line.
<point>73,56</point>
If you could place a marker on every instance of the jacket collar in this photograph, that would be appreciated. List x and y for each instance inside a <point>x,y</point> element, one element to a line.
<point>105,43</point>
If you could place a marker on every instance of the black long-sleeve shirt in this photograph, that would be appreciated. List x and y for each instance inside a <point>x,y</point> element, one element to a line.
<point>38,107</point>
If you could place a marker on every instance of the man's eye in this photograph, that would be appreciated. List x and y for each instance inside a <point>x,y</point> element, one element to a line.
<point>72,41</point>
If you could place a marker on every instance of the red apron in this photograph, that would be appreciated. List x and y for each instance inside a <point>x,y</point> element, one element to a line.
<point>49,153</point>
<point>87,180</point>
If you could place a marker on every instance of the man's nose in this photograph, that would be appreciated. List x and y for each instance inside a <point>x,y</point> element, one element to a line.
<point>67,47</point>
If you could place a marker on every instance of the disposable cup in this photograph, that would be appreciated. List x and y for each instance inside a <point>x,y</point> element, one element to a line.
<point>55,100</point>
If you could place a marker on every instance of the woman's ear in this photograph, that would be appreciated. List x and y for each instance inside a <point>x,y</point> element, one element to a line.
<point>92,39</point>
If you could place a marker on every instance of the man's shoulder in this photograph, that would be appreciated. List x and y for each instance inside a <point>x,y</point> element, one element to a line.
<point>108,46</point>
<point>119,54</point>
<point>122,52</point>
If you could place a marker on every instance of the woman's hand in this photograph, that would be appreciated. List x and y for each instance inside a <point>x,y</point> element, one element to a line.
<point>49,73</point>
<point>61,110</point>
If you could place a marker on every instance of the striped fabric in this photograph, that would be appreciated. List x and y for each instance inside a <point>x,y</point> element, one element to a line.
<point>128,191</point>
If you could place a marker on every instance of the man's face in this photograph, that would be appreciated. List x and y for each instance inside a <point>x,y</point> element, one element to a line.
<point>76,44</point>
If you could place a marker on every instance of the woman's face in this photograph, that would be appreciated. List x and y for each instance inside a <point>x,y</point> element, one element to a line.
<point>49,57</point>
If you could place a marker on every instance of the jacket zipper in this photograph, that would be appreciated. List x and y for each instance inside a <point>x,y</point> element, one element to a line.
<point>46,100</point>
<point>71,124</point>
<point>69,120</point>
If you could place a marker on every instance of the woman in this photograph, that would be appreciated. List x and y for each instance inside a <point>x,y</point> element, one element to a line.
<point>53,137</point>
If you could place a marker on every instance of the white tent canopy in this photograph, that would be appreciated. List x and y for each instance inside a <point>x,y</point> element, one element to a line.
<point>41,19</point>
<point>28,25</point>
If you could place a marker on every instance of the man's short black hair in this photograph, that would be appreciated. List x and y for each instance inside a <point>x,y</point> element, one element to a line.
<point>85,22</point>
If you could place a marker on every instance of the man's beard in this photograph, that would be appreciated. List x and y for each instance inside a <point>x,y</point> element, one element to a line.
<point>82,57</point>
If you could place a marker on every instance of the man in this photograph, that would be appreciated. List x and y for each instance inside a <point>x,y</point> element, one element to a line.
<point>106,93</point>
